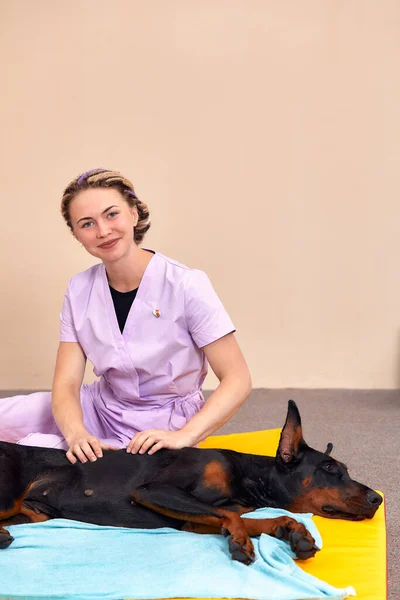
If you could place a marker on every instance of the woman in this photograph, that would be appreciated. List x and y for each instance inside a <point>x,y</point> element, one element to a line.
<point>148,324</point>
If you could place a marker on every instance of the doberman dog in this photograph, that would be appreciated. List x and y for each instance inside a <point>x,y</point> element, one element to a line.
<point>193,489</point>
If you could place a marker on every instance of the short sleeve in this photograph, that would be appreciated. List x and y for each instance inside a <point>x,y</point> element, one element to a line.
<point>206,317</point>
<point>67,329</point>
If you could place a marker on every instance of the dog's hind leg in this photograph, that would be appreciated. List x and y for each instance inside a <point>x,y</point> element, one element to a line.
<point>16,514</point>
<point>10,510</point>
<point>179,504</point>
<point>26,515</point>
<point>5,538</point>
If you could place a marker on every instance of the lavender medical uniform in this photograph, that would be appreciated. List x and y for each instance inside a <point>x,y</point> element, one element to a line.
<point>150,376</point>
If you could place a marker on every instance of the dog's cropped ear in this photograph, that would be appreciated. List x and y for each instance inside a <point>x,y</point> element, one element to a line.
<point>329,449</point>
<point>292,435</point>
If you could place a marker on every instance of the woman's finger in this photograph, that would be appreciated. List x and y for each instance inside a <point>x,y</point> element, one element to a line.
<point>156,447</point>
<point>88,451</point>
<point>136,442</point>
<point>71,457</point>
<point>147,444</point>
<point>96,447</point>
<point>77,451</point>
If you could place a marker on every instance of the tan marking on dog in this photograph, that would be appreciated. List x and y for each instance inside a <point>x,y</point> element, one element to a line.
<point>200,528</point>
<point>18,507</point>
<point>40,480</point>
<point>35,515</point>
<point>215,477</point>
<point>314,499</point>
<point>15,509</point>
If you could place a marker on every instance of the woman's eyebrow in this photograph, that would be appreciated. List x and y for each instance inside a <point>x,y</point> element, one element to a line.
<point>104,211</point>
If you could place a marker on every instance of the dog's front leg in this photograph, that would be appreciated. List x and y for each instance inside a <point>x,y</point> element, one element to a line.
<point>301,541</point>
<point>179,504</point>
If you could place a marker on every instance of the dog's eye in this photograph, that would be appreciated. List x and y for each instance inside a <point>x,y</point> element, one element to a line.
<point>330,467</point>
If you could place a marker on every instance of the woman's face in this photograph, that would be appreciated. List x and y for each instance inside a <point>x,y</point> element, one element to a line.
<point>102,221</point>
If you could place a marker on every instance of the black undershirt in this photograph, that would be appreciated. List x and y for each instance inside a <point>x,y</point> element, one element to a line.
<point>123,301</point>
<point>122,304</point>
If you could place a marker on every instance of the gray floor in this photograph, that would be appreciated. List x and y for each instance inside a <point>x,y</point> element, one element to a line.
<point>364,427</point>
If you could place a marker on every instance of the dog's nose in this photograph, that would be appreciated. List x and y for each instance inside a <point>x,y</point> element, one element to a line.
<point>374,498</point>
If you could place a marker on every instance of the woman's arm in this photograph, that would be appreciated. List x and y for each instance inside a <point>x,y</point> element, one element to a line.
<point>229,365</point>
<point>66,405</point>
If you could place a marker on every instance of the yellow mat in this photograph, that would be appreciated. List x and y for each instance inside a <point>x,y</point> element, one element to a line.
<point>353,553</point>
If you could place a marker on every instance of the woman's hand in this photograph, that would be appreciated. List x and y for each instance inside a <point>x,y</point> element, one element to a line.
<point>152,440</point>
<point>84,447</point>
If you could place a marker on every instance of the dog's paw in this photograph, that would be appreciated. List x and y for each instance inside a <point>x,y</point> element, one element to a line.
<point>5,539</point>
<point>242,550</point>
<point>301,542</point>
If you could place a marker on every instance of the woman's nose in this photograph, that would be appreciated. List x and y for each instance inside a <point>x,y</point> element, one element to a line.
<point>103,229</point>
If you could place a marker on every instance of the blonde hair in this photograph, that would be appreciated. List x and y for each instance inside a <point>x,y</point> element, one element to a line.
<point>104,178</point>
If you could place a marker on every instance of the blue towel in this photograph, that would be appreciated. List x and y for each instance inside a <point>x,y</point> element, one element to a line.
<point>72,560</point>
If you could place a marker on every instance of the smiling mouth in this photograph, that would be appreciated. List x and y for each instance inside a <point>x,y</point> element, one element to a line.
<point>109,244</point>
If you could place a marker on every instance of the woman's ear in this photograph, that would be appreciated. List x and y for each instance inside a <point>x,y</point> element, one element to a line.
<point>135,215</point>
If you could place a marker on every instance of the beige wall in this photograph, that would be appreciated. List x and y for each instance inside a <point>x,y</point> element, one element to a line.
<point>265,137</point>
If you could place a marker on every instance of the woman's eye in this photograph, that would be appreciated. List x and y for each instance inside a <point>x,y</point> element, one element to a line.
<point>86,225</point>
<point>112,214</point>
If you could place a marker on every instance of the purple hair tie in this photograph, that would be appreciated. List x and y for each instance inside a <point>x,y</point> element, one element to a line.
<point>82,177</point>
<point>131,194</point>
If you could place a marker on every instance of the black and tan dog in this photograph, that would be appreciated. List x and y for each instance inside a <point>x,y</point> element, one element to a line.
<point>193,489</point>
